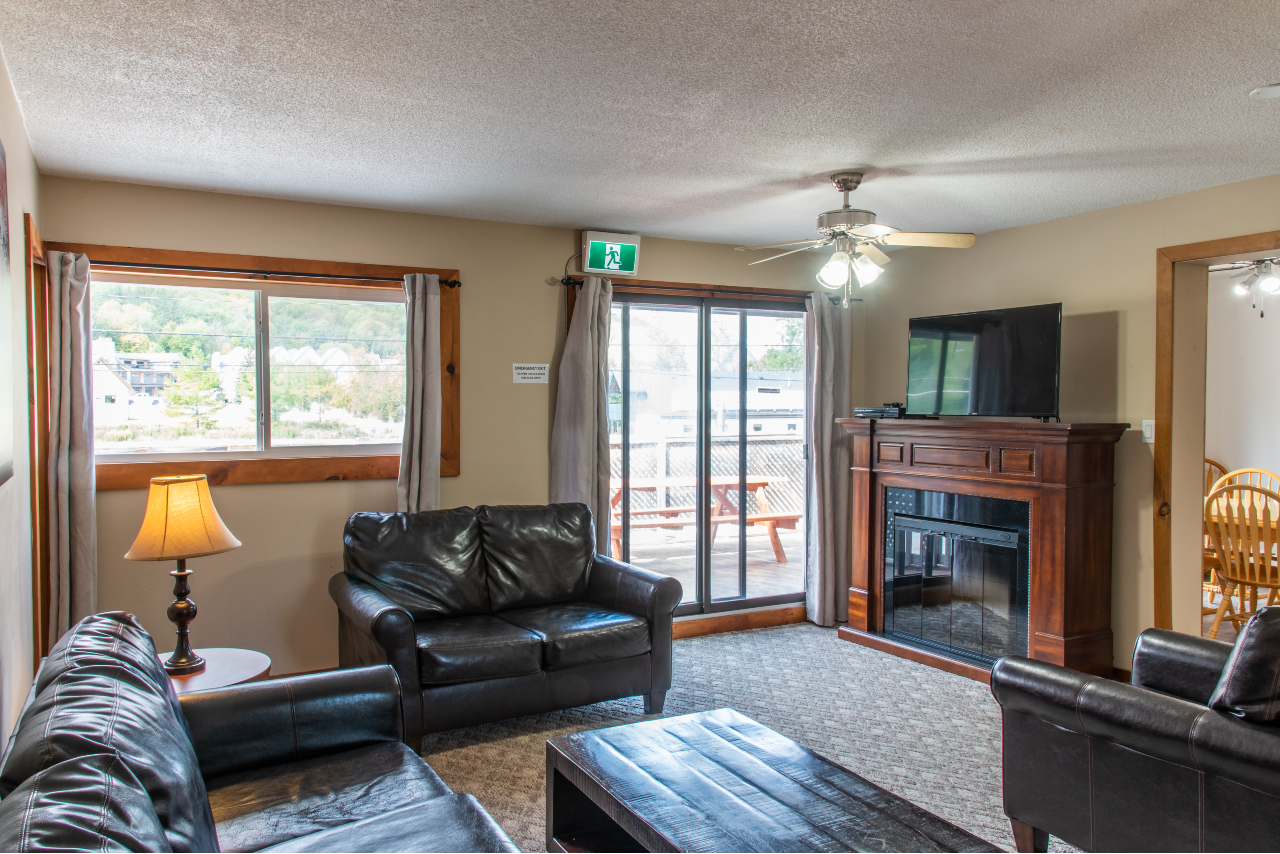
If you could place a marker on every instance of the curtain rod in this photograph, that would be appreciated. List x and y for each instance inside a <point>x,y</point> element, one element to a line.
<point>451,283</point>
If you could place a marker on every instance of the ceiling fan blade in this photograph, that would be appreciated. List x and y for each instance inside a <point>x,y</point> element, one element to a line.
<point>875,229</point>
<point>792,252</point>
<point>870,250</point>
<point>779,245</point>
<point>941,240</point>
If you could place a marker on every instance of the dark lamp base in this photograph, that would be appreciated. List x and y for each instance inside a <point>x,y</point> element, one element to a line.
<point>182,611</point>
<point>194,664</point>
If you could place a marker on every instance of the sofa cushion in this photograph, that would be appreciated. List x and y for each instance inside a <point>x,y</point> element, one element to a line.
<point>431,564</point>
<point>464,649</point>
<point>110,707</point>
<point>448,823</point>
<point>88,803</point>
<point>536,555</point>
<point>112,636</point>
<point>267,806</point>
<point>576,633</point>
<point>1250,683</point>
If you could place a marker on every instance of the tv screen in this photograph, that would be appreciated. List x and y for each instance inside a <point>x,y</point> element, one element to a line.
<point>1002,362</point>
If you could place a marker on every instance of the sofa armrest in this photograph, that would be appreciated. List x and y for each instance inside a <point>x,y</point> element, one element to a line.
<point>372,629</point>
<point>632,590</point>
<point>1045,690</point>
<point>258,724</point>
<point>1179,664</point>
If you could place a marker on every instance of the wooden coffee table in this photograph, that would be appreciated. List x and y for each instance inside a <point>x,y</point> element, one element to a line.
<point>719,781</point>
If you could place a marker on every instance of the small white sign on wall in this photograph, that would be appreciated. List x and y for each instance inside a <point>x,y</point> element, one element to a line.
<point>529,373</point>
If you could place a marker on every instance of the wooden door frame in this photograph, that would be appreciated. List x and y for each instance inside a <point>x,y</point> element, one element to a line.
<point>1161,490</point>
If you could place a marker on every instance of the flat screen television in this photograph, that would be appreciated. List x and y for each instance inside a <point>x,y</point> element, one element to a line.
<point>1002,362</point>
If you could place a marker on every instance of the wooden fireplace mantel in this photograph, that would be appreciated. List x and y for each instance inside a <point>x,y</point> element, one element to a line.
<point>1064,471</point>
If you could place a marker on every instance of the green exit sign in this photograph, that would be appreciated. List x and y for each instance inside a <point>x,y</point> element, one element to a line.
<point>610,254</point>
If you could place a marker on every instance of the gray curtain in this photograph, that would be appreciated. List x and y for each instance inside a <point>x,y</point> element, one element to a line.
<point>828,338</point>
<point>418,487</point>
<point>580,432</point>
<point>73,536</point>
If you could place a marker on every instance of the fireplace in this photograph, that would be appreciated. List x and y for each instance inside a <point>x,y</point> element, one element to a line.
<point>972,540</point>
<point>957,573</point>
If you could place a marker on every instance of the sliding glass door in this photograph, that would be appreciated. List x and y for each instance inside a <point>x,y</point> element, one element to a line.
<point>707,427</point>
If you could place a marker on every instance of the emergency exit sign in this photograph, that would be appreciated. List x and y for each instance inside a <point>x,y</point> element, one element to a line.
<point>610,254</point>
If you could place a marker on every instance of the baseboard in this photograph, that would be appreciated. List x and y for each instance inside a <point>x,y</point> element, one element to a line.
<point>737,621</point>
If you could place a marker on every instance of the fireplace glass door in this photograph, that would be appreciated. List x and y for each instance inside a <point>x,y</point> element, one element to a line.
<point>955,587</point>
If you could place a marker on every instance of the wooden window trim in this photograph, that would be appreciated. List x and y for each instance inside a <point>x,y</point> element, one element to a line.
<point>38,432</point>
<point>226,470</point>
<point>1161,490</point>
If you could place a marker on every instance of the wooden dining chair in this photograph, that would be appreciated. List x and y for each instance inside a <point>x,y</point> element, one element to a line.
<point>1213,471</point>
<point>1242,526</point>
<point>1252,477</point>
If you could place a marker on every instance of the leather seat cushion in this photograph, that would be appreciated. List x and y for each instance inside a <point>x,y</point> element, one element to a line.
<point>88,803</point>
<point>464,649</point>
<point>448,823</point>
<point>267,806</point>
<point>1250,684</point>
<point>536,555</point>
<point>576,633</point>
<point>106,704</point>
<point>431,564</point>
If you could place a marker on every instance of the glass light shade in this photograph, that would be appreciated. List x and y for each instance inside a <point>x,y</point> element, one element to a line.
<point>1241,290</point>
<point>181,522</point>
<point>835,273</point>
<point>1267,279</point>
<point>866,270</point>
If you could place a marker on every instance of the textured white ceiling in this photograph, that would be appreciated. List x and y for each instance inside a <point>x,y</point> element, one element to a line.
<point>699,119</point>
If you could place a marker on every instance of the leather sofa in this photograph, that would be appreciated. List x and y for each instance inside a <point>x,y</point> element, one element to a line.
<point>495,612</point>
<point>105,756</point>
<point>1185,758</point>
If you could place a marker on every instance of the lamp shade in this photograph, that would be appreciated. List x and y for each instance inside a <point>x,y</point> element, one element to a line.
<point>181,522</point>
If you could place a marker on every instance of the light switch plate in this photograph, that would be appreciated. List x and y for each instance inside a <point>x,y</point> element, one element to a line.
<point>1149,432</point>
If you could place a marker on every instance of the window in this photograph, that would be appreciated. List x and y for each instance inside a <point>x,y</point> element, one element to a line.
<point>215,366</point>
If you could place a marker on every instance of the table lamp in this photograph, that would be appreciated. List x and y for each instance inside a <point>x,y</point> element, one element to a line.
<point>181,523</point>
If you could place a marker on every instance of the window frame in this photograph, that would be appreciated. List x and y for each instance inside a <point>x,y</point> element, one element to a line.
<point>290,277</point>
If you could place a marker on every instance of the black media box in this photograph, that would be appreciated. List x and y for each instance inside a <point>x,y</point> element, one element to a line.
<point>888,410</point>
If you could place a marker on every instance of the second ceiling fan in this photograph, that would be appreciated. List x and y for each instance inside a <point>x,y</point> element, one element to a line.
<point>857,238</point>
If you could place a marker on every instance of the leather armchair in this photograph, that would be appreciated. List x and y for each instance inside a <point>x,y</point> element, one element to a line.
<point>1173,761</point>
<point>495,612</point>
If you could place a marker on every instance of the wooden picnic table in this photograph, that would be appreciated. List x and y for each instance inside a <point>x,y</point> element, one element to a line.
<point>723,510</point>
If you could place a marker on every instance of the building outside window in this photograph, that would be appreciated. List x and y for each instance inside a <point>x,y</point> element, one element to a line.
<point>185,369</point>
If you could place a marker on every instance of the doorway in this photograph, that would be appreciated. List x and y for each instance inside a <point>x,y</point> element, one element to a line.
<point>707,447</point>
<point>1182,299</point>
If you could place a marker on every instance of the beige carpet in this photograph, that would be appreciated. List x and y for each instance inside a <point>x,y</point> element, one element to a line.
<point>926,735</point>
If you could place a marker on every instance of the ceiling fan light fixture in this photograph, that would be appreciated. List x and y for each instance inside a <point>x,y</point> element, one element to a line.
<point>1267,279</point>
<point>866,270</point>
<point>1241,289</point>
<point>835,273</point>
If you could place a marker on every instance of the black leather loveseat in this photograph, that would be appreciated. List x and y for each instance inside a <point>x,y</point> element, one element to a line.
<point>494,612</point>
<point>104,757</point>
<point>1186,758</point>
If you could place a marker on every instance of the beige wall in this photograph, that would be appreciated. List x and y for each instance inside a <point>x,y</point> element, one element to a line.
<point>1101,266</point>
<point>15,514</point>
<point>270,594</point>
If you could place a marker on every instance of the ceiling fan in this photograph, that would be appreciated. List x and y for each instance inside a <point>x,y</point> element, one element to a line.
<point>857,238</point>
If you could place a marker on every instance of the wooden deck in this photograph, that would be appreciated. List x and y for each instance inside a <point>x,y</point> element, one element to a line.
<point>671,552</point>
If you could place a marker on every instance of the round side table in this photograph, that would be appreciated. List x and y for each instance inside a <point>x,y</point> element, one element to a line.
<point>223,666</point>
